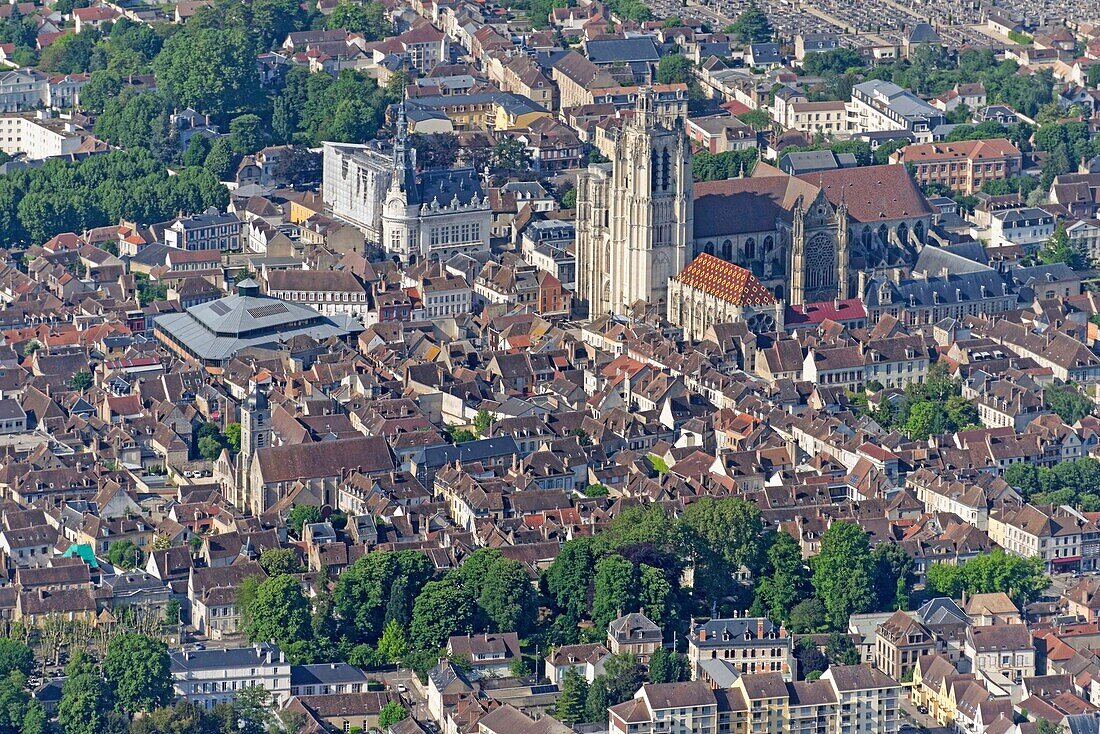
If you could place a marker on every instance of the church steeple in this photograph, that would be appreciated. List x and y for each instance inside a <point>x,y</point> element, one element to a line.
<point>404,163</point>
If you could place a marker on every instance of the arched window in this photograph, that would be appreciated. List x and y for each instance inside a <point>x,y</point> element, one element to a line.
<point>727,250</point>
<point>768,244</point>
<point>883,234</point>
<point>867,236</point>
<point>903,233</point>
<point>709,248</point>
<point>918,232</point>
<point>665,166</point>
<point>750,249</point>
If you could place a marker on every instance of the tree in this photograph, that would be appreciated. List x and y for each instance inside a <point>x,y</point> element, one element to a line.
<point>842,573</point>
<point>377,588</point>
<point>808,616</point>
<point>233,437</point>
<point>390,714</point>
<point>393,645</point>
<point>82,380</point>
<point>368,19</point>
<point>752,26</point>
<point>666,666</point>
<point>461,435</point>
<point>675,69</point>
<point>15,656</point>
<point>278,561</point>
<point>570,706</point>
<point>625,675</point>
<point>758,119</point>
<point>893,567</point>
<point>926,419</point>
<point>136,667</point>
<point>598,699</point>
<point>439,150</point>
<point>809,656</point>
<point>210,69</point>
<point>1068,402</point>
<point>568,578</point>
<point>1059,249</point>
<point>442,609</point>
<point>210,448</point>
<point>615,591</point>
<point>85,705</point>
<point>841,650</point>
<point>997,571</point>
<point>302,515</point>
<point>184,717</point>
<point>502,590</point>
<point>569,199</point>
<point>483,421</point>
<point>198,148</point>
<point>275,610</point>
<point>722,535</point>
<point>789,580</point>
<point>220,160</point>
<point>246,134</point>
<point>509,156</point>
<point>888,148</point>
<point>124,554</point>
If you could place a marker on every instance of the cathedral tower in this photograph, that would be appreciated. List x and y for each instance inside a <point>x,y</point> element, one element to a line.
<point>634,221</point>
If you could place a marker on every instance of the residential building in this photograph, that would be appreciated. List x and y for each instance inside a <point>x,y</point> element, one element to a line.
<point>676,708</point>
<point>38,136</point>
<point>1028,227</point>
<point>1001,652</point>
<point>746,644</point>
<point>635,634</point>
<point>899,642</point>
<point>963,166</point>
<point>210,676</point>
<point>211,230</point>
<point>329,292</point>
<point>878,106</point>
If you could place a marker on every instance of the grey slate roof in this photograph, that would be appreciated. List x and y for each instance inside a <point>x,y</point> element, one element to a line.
<point>221,658</point>
<point>216,330</point>
<point>618,50</point>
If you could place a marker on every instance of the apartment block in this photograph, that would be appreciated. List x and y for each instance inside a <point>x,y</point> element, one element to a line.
<point>963,166</point>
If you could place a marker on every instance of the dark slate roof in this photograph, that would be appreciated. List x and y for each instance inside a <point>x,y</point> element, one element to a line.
<point>446,185</point>
<point>326,673</point>
<point>616,50</point>
<point>221,658</point>
<point>470,451</point>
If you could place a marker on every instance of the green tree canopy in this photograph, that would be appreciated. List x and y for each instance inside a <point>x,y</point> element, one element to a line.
<point>136,668</point>
<point>752,26</point>
<point>843,573</point>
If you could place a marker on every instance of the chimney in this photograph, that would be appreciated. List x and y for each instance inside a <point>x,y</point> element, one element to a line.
<point>759,627</point>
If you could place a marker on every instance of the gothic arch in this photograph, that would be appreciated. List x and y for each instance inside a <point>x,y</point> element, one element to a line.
<point>918,232</point>
<point>903,233</point>
<point>883,234</point>
<point>769,243</point>
<point>750,249</point>
<point>727,250</point>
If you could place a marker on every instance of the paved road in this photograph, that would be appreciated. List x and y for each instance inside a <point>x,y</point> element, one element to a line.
<point>417,705</point>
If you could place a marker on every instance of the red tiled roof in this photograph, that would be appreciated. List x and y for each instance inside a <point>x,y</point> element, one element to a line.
<point>727,281</point>
<point>815,313</point>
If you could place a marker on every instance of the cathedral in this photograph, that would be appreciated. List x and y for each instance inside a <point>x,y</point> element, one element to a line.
<point>641,220</point>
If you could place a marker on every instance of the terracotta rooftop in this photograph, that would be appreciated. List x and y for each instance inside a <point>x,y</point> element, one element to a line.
<point>727,281</point>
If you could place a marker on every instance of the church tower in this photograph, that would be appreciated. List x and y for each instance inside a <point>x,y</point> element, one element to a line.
<point>634,221</point>
<point>400,211</point>
<point>255,435</point>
